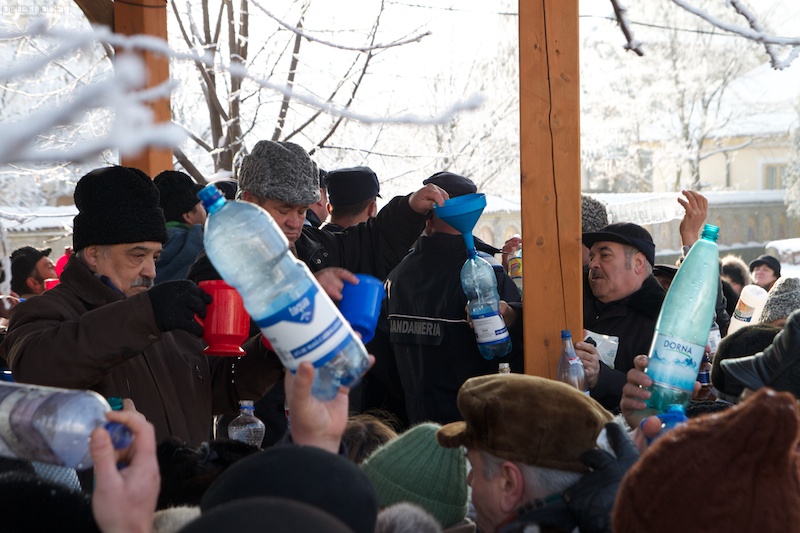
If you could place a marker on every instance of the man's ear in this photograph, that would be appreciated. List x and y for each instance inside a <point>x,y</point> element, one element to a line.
<point>90,254</point>
<point>330,208</point>
<point>34,285</point>
<point>511,485</point>
<point>247,196</point>
<point>373,209</point>
<point>639,262</point>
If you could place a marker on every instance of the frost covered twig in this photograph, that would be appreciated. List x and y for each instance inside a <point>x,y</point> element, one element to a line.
<point>309,37</point>
<point>755,32</point>
<point>621,13</point>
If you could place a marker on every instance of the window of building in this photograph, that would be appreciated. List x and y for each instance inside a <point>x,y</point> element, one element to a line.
<point>774,175</point>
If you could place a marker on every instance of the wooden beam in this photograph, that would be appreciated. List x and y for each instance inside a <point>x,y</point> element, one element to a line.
<point>98,11</point>
<point>148,17</point>
<point>550,179</point>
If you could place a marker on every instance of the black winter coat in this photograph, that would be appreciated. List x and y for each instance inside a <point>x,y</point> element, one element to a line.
<point>434,346</point>
<point>633,321</point>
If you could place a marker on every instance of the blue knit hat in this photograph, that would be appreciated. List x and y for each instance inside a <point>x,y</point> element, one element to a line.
<point>415,468</point>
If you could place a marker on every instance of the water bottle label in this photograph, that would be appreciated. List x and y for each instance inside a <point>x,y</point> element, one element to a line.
<point>308,329</point>
<point>489,329</point>
<point>515,268</point>
<point>674,361</point>
<point>744,312</point>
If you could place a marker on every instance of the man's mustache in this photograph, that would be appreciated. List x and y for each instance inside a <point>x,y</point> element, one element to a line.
<point>142,282</point>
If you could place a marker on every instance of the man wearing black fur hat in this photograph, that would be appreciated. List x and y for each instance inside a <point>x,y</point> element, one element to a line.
<point>104,328</point>
<point>185,216</point>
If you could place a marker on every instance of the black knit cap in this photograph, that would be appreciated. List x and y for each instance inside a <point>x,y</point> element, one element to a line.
<point>23,261</point>
<point>117,205</point>
<point>306,474</point>
<point>178,194</point>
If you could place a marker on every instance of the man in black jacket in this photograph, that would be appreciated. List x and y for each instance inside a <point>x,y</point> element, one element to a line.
<point>434,348</point>
<point>620,306</point>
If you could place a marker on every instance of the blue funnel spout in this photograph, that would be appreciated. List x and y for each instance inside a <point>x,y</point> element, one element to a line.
<point>463,213</point>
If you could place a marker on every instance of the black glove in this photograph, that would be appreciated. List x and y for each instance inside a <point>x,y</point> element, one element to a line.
<point>591,499</point>
<point>176,302</point>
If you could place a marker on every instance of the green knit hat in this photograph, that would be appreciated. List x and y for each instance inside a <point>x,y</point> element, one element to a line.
<point>415,468</point>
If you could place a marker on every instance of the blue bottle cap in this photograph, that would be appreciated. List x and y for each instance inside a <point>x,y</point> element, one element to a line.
<point>211,197</point>
<point>565,334</point>
<point>710,232</point>
<point>121,436</point>
<point>116,403</point>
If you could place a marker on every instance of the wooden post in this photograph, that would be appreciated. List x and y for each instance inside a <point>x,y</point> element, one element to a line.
<point>550,178</point>
<point>148,17</point>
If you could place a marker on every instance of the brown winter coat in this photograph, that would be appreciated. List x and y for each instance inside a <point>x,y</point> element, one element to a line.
<point>85,335</point>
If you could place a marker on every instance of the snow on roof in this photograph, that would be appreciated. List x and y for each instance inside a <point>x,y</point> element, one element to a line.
<point>770,97</point>
<point>18,219</point>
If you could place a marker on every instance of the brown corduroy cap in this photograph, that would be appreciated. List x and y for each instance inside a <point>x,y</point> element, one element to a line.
<point>532,420</point>
<point>732,471</point>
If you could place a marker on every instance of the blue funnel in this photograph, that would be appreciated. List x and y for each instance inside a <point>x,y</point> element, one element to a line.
<point>463,213</point>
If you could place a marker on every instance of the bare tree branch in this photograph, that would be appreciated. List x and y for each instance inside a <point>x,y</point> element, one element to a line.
<point>621,12</point>
<point>335,45</point>
<point>754,33</point>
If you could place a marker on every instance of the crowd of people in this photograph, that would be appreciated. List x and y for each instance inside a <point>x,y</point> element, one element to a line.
<point>434,438</point>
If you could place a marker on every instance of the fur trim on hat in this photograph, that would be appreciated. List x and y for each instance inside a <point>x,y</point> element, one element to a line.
<point>736,270</point>
<point>281,171</point>
<point>117,205</point>
<point>594,214</point>
<point>783,299</point>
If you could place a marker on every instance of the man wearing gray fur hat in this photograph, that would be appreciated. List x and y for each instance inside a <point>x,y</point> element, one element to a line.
<point>281,178</point>
<point>105,327</point>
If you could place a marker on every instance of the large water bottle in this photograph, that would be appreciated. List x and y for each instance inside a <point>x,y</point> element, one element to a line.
<point>280,293</point>
<point>247,427</point>
<point>480,286</point>
<point>570,366</point>
<point>53,425</point>
<point>683,325</point>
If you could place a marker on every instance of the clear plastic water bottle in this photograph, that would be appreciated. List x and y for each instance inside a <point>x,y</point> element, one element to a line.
<point>280,293</point>
<point>53,425</point>
<point>570,366</point>
<point>515,269</point>
<point>748,308</point>
<point>247,427</point>
<point>684,324</point>
<point>483,303</point>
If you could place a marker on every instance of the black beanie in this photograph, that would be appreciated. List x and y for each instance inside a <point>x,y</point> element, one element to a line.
<point>117,205</point>
<point>306,474</point>
<point>178,194</point>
